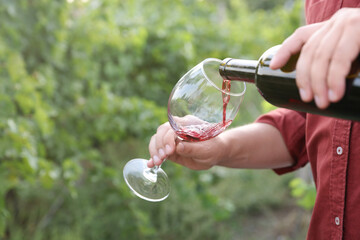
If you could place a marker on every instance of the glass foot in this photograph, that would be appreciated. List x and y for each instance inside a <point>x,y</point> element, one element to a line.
<point>147,183</point>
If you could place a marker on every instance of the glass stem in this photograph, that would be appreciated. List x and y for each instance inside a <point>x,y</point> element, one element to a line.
<point>155,169</point>
<point>151,173</point>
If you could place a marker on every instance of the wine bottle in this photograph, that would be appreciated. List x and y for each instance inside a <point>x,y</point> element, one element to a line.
<point>278,87</point>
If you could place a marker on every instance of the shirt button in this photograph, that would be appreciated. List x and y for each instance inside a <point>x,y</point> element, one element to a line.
<point>339,150</point>
<point>337,221</point>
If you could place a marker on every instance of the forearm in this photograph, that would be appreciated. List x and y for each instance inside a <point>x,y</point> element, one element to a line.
<point>255,145</point>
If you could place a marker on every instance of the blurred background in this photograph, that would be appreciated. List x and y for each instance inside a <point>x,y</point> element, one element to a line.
<point>83,86</point>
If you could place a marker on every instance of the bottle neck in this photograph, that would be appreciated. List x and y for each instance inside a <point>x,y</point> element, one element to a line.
<point>238,70</point>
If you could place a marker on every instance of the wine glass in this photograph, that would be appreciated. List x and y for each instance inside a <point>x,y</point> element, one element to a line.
<point>201,106</point>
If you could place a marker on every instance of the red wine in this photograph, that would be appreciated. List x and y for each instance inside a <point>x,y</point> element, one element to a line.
<point>226,97</point>
<point>278,87</point>
<point>195,130</point>
<point>202,132</point>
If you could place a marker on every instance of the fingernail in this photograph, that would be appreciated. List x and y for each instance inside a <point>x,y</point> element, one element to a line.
<point>332,96</point>
<point>168,149</point>
<point>318,101</point>
<point>303,94</point>
<point>156,160</point>
<point>161,153</point>
<point>180,147</point>
<point>150,162</point>
<point>273,61</point>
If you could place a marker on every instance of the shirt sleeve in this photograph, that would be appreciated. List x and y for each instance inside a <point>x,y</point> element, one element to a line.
<point>291,125</point>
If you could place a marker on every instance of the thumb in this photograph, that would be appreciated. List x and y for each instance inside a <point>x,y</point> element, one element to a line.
<point>193,149</point>
<point>186,149</point>
<point>180,148</point>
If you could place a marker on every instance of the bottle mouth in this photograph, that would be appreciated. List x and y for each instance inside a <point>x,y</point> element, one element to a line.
<point>238,70</point>
<point>210,67</point>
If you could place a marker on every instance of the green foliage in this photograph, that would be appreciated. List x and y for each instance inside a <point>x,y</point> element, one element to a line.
<point>304,192</point>
<point>267,107</point>
<point>83,86</point>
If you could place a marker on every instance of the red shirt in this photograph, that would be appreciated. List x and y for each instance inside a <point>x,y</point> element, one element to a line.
<point>332,147</point>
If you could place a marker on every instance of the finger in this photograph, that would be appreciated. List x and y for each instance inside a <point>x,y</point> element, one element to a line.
<point>152,146</point>
<point>189,162</point>
<point>191,150</point>
<point>329,37</point>
<point>184,161</point>
<point>159,141</point>
<point>302,74</point>
<point>153,153</point>
<point>169,141</point>
<point>196,150</point>
<point>345,53</point>
<point>292,45</point>
<point>304,80</point>
<point>150,163</point>
<point>157,156</point>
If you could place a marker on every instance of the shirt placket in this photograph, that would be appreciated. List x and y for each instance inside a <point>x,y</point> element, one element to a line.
<point>340,148</point>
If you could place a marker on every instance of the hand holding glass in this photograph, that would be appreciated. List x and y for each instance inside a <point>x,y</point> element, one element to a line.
<point>201,106</point>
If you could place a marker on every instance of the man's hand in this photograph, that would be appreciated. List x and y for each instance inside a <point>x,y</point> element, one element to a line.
<point>328,50</point>
<point>251,146</point>
<point>194,155</point>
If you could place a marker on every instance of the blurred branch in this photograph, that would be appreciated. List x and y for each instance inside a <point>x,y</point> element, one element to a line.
<point>55,206</point>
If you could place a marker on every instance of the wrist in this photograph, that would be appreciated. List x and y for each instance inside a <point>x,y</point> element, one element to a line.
<point>224,145</point>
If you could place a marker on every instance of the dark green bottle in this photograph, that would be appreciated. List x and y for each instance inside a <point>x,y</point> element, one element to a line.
<point>278,87</point>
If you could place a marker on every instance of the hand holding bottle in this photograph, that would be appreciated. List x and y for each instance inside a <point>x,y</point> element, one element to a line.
<point>328,50</point>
